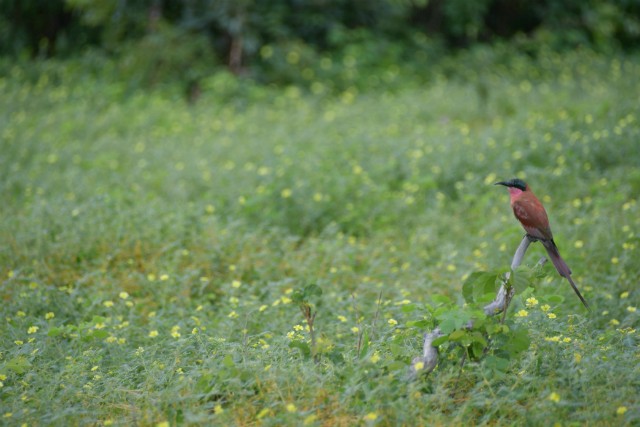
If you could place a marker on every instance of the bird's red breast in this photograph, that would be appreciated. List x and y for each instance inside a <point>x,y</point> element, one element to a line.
<point>531,214</point>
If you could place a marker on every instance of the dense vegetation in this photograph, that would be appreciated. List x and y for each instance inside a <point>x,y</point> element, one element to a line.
<point>299,42</point>
<point>273,253</point>
<point>157,255</point>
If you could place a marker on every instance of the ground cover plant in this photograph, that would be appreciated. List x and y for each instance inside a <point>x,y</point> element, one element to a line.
<point>272,257</point>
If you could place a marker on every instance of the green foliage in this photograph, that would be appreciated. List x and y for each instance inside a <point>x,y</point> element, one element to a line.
<point>161,261</point>
<point>306,295</point>
<point>165,56</point>
<point>480,286</point>
<point>488,339</point>
<point>325,46</point>
<point>465,18</point>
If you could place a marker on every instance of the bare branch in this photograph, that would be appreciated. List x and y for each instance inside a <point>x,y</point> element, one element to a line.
<point>429,359</point>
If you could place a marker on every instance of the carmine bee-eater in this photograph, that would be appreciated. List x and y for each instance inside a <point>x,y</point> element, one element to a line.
<point>531,214</point>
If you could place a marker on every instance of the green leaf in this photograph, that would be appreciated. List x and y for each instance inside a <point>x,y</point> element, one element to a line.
<point>457,335</point>
<point>477,337</point>
<point>298,296</point>
<point>476,349</point>
<point>441,299</point>
<point>478,285</point>
<point>312,291</point>
<point>486,298</point>
<point>422,324</point>
<point>440,311</point>
<point>303,295</point>
<point>479,321</point>
<point>453,319</point>
<point>440,340</point>
<point>520,279</point>
<point>448,325</point>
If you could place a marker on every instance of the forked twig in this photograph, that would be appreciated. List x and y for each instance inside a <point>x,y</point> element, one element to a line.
<point>429,359</point>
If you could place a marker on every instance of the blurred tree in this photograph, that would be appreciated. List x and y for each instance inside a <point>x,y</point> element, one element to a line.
<point>237,28</point>
<point>38,27</point>
<point>166,39</point>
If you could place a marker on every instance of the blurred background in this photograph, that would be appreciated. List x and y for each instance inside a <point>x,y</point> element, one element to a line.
<point>175,173</point>
<point>322,45</point>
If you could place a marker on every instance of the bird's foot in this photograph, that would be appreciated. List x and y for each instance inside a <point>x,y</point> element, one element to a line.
<point>531,238</point>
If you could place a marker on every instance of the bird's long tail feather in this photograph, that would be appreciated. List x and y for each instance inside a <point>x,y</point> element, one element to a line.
<point>562,267</point>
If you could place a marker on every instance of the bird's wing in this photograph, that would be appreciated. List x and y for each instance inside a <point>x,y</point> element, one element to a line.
<point>531,214</point>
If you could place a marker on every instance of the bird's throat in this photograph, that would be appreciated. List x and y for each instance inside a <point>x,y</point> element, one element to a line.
<point>514,193</point>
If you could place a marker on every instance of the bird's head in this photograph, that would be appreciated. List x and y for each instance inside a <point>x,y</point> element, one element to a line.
<point>516,183</point>
<point>515,186</point>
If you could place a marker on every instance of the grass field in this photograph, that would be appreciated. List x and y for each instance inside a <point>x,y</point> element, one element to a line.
<point>153,253</point>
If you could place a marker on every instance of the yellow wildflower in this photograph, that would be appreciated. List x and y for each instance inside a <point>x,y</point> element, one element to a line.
<point>554,397</point>
<point>291,407</point>
<point>371,416</point>
<point>310,419</point>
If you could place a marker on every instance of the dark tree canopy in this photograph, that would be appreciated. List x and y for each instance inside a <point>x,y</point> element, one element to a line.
<point>250,36</point>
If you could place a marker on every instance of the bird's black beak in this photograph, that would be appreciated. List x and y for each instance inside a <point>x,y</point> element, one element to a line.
<point>506,184</point>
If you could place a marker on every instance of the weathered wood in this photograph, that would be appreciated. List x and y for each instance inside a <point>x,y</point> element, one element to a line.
<point>498,304</point>
<point>429,359</point>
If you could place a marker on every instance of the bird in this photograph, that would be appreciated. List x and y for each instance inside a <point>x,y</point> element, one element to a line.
<point>533,218</point>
